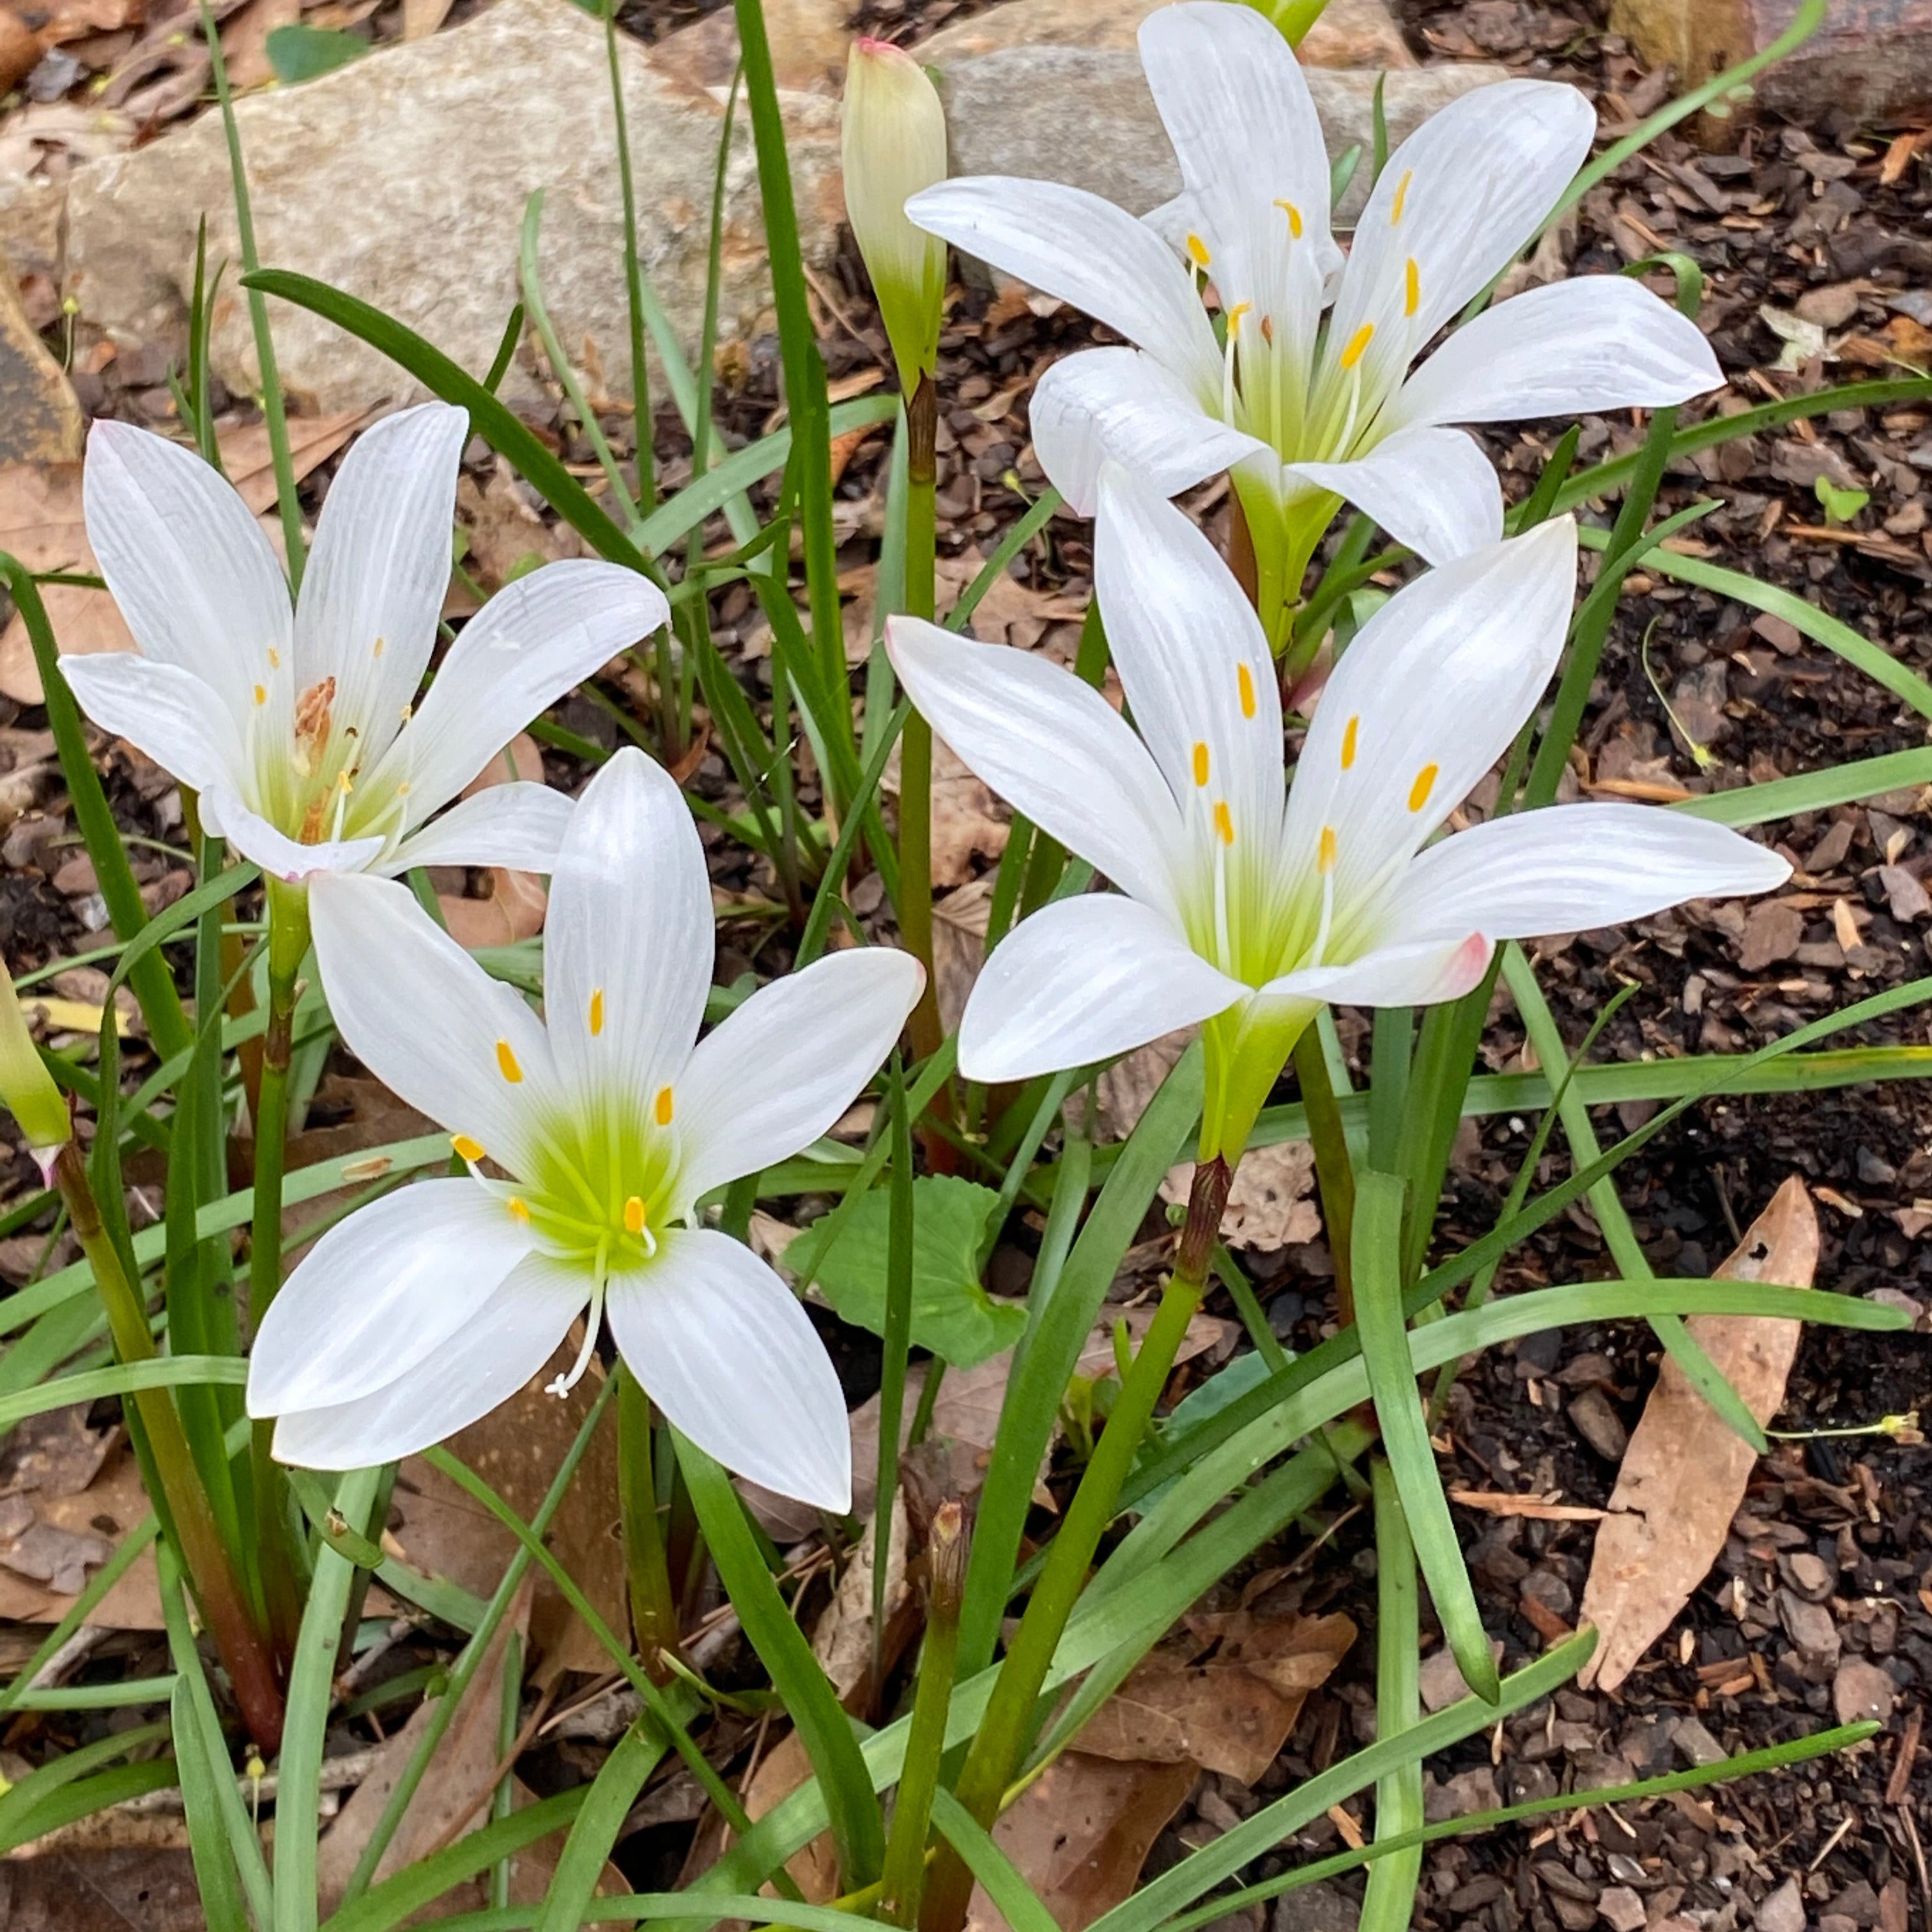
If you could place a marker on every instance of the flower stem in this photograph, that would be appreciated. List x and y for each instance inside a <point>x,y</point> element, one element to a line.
<point>926,1743</point>
<point>288,944</point>
<point>1008,1723</point>
<point>242,1645</point>
<point>915,905</point>
<point>653,1612</point>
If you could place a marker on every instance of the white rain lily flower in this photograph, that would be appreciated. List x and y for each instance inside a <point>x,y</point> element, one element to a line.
<point>1304,415</point>
<point>426,1309</point>
<point>1248,904</point>
<point>300,727</point>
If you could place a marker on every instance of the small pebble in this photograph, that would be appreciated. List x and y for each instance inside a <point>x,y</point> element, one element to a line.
<point>1783,1911</point>
<point>1861,1690</point>
<point>1599,1424</point>
<point>1620,1910</point>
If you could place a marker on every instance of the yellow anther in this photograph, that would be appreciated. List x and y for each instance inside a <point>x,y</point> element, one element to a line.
<point>1425,783</point>
<point>634,1214</point>
<point>1224,822</point>
<point>1358,343</point>
<point>506,1062</point>
<point>1351,732</point>
<point>1235,315</point>
<point>378,651</point>
<point>1197,251</point>
<point>1412,301</point>
<point>1200,763</point>
<point>274,658</point>
<point>261,694</point>
<point>1246,679</point>
<point>518,1210</point>
<point>1324,851</point>
<point>466,1148</point>
<point>1401,195</point>
<point>1294,214</point>
<point>663,1108</point>
<point>597,1011</point>
<point>344,783</point>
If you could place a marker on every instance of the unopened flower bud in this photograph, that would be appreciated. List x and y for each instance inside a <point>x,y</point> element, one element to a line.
<point>893,144</point>
<point>26,1085</point>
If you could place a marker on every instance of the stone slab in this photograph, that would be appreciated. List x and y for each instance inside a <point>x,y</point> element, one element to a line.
<point>1350,33</point>
<point>1872,59</point>
<point>402,179</point>
<point>1084,116</point>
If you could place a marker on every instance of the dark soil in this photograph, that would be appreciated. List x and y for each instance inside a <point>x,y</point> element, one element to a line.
<point>1798,221</point>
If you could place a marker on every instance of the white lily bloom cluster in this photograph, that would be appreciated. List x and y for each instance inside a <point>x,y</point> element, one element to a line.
<point>1305,413</point>
<point>590,1135</point>
<point>1246,902</point>
<point>593,1134</point>
<point>299,727</point>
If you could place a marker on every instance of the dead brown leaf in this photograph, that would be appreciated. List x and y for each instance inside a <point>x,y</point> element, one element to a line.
<point>421,18</point>
<point>516,1448</point>
<point>68,1494</point>
<point>814,1869</point>
<point>1685,1472</point>
<point>517,901</point>
<point>1080,1833</point>
<point>842,1639</point>
<point>507,536</point>
<point>959,947</point>
<point>1223,1694</point>
<point>1269,1206</point>
<point>245,40</point>
<point>41,524</point>
<point>454,1794</point>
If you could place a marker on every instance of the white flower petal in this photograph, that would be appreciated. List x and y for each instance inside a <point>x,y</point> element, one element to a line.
<point>629,942</point>
<point>169,713</point>
<point>1086,251</point>
<point>380,1291</point>
<point>1191,654</point>
<point>1413,973</point>
<point>512,1335</point>
<point>722,1346</point>
<point>779,1071</point>
<point>534,640</point>
<point>520,826</point>
<point>1431,489</point>
<point>1236,105</point>
<point>376,579</point>
<point>1600,342</point>
<point>1460,198</point>
<point>1425,701</point>
<point>427,1020</point>
<point>1118,404</point>
<point>278,855</point>
<point>1574,867</point>
<point>192,572</point>
<point>1080,981</point>
<point>1051,746</point>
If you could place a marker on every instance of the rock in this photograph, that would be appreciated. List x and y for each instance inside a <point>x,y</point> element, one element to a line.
<point>1831,307</point>
<point>1773,930</point>
<point>1599,1424</point>
<point>1440,1678</point>
<point>1695,1744</point>
<point>1908,898</point>
<point>1861,1690</point>
<point>1697,705</point>
<point>808,39</point>
<point>40,417</point>
<point>402,179</point>
<point>1350,33</point>
<point>1085,116</point>
<point>1319,1907</point>
<point>1870,59</point>
<point>1621,1910</point>
<point>1782,1910</point>
<point>1458,1797</point>
<point>1811,1629</point>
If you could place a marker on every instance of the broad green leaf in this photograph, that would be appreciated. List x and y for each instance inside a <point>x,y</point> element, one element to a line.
<point>299,53</point>
<point>951,1315</point>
